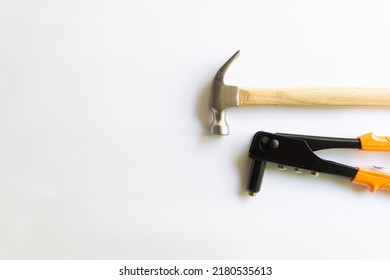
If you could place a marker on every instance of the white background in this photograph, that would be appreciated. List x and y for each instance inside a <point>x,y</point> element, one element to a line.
<point>104,144</point>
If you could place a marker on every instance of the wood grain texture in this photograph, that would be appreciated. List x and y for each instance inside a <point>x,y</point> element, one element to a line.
<point>335,96</point>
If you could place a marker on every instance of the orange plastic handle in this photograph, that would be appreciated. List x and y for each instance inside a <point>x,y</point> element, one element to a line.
<point>372,179</point>
<point>372,142</point>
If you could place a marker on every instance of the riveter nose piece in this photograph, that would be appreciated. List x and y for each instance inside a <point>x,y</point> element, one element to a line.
<point>256,176</point>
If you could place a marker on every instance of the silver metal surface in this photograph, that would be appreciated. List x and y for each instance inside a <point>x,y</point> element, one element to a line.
<point>222,96</point>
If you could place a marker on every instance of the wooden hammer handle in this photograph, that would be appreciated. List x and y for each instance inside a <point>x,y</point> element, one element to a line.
<point>338,96</point>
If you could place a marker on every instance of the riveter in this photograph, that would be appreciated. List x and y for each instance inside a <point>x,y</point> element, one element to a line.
<point>297,151</point>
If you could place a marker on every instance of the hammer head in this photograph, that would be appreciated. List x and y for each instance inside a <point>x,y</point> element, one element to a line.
<point>222,96</point>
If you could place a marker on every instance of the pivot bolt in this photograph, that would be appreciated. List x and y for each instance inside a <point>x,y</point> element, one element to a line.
<point>264,140</point>
<point>274,144</point>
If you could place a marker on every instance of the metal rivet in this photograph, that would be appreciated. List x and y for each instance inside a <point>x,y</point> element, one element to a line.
<point>315,173</point>
<point>281,166</point>
<point>264,140</point>
<point>274,144</point>
<point>298,170</point>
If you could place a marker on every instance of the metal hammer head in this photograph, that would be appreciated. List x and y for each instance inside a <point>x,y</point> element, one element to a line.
<point>221,97</point>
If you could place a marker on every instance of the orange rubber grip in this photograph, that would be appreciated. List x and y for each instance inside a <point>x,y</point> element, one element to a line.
<point>372,179</point>
<point>372,142</point>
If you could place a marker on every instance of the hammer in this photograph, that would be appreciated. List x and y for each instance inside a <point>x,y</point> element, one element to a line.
<point>224,96</point>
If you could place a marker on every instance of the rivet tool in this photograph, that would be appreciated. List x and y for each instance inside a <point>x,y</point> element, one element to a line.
<point>297,151</point>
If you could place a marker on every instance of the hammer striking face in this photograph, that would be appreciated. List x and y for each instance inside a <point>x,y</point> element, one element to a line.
<point>224,96</point>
